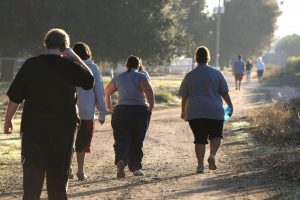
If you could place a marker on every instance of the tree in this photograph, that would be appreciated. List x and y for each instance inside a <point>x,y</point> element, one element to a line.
<point>247,27</point>
<point>288,46</point>
<point>197,24</point>
<point>113,29</point>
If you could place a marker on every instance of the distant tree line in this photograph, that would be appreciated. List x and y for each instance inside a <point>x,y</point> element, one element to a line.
<point>288,46</point>
<point>156,30</point>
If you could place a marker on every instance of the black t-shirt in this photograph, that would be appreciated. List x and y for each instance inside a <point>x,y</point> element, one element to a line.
<point>249,66</point>
<point>47,84</point>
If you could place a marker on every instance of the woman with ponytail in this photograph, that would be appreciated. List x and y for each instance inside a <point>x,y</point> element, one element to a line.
<point>131,116</point>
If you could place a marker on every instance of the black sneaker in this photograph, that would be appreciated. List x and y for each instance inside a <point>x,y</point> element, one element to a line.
<point>71,176</point>
<point>120,169</point>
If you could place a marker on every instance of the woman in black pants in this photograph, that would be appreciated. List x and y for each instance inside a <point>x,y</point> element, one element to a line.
<point>131,116</point>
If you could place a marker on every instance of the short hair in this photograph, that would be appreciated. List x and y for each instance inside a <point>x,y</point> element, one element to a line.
<point>133,62</point>
<point>82,50</point>
<point>239,57</point>
<point>202,55</point>
<point>56,38</point>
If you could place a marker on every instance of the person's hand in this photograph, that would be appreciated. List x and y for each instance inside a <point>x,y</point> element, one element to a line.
<point>183,115</point>
<point>149,108</point>
<point>111,108</point>
<point>8,127</point>
<point>101,120</point>
<point>69,54</point>
<point>231,111</point>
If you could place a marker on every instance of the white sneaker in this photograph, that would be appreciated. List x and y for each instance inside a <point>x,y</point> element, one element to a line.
<point>138,172</point>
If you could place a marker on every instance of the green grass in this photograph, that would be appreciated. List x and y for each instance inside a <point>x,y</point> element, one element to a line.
<point>166,98</point>
<point>10,144</point>
<point>165,88</point>
<point>106,80</point>
<point>4,86</point>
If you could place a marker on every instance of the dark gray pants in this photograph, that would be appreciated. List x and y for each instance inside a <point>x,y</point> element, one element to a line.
<point>130,124</point>
<point>33,179</point>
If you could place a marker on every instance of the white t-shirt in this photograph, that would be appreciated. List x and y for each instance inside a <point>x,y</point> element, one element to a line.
<point>260,65</point>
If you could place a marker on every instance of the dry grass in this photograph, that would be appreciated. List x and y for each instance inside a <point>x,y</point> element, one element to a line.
<point>277,129</point>
<point>271,71</point>
<point>280,120</point>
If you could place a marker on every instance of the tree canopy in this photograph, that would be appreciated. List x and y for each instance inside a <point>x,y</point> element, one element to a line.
<point>156,30</point>
<point>288,46</point>
<point>114,29</point>
<point>247,27</point>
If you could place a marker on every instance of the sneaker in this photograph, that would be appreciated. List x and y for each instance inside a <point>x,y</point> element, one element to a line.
<point>212,163</point>
<point>200,169</point>
<point>81,176</point>
<point>71,175</point>
<point>120,169</point>
<point>138,172</point>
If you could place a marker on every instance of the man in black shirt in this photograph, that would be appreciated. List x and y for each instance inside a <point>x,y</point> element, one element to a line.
<point>46,84</point>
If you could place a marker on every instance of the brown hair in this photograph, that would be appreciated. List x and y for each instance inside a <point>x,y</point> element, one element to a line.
<point>202,55</point>
<point>56,38</point>
<point>82,50</point>
<point>133,62</point>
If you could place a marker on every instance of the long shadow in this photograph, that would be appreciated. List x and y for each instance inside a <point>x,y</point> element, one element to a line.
<point>6,139</point>
<point>233,185</point>
<point>110,189</point>
<point>90,182</point>
<point>235,143</point>
<point>255,173</point>
<point>20,192</point>
<point>12,194</point>
<point>136,183</point>
<point>251,175</point>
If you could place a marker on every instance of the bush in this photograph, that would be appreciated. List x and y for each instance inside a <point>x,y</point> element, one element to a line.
<point>166,97</point>
<point>293,64</point>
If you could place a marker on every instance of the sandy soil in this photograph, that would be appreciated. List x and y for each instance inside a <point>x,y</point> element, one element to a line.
<point>170,163</point>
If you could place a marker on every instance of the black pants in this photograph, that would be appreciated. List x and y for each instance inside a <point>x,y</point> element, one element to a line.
<point>130,124</point>
<point>47,151</point>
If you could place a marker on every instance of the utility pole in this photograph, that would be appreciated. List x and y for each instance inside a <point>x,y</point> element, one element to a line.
<point>218,35</point>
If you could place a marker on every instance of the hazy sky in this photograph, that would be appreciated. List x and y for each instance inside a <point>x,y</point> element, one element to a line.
<point>287,23</point>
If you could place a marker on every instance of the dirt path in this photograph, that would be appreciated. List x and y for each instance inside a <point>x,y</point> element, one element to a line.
<point>169,161</point>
